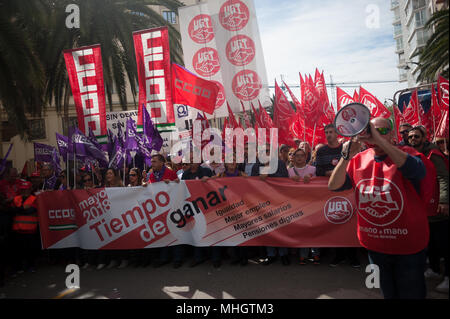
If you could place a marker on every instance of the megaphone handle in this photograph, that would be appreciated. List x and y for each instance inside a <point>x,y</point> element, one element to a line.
<point>346,154</point>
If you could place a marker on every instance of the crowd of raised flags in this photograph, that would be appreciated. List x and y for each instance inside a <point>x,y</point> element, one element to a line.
<point>119,151</point>
<point>305,123</point>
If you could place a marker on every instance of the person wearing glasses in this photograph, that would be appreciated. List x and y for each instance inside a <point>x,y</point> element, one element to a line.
<point>392,218</point>
<point>403,129</point>
<point>135,177</point>
<point>438,246</point>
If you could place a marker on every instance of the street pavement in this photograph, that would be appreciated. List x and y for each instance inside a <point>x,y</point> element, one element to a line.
<point>253,281</point>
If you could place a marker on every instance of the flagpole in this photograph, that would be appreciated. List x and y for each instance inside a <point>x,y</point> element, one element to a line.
<point>74,169</point>
<point>314,136</point>
<point>124,163</point>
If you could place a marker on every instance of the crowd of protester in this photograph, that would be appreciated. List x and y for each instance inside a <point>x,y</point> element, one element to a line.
<point>20,246</point>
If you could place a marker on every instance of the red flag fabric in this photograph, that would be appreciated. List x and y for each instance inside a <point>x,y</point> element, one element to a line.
<point>399,119</point>
<point>410,113</point>
<point>377,109</point>
<point>342,98</point>
<point>435,109</point>
<point>311,105</point>
<point>257,117</point>
<point>189,89</point>
<point>443,92</point>
<point>283,116</point>
<point>442,129</point>
<point>246,119</point>
<point>302,88</point>
<point>265,118</point>
<point>232,123</point>
<point>84,66</point>
<point>296,102</point>
<point>356,96</point>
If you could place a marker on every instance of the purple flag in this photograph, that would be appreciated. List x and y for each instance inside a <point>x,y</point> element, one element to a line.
<point>116,161</point>
<point>43,152</point>
<point>93,139</point>
<point>63,145</point>
<point>130,136</point>
<point>85,148</point>
<point>120,136</point>
<point>151,134</point>
<point>3,163</point>
<point>55,162</point>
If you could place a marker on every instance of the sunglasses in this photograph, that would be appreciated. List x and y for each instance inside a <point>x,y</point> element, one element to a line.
<point>133,174</point>
<point>383,130</point>
<point>404,132</point>
<point>414,136</point>
<point>440,142</point>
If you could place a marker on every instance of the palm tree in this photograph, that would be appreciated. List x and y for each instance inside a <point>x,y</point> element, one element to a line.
<point>109,23</point>
<point>33,35</point>
<point>433,58</point>
<point>21,71</point>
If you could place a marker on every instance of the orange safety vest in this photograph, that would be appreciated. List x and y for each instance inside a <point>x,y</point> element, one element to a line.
<point>25,224</point>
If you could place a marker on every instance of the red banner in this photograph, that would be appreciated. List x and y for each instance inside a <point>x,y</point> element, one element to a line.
<point>191,90</point>
<point>221,212</point>
<point>443,92</point>
<point>377,109</point>
<point>84,66</point>
<point>155,78</point>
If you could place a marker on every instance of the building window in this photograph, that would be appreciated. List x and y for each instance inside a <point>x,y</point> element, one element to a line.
<point>397,29</point>
<point>420,17</point>
<point>399,44</point>
<point>170,17</point>
<point>37,129</point>
<point>418,4</point>
<point>422,37</point>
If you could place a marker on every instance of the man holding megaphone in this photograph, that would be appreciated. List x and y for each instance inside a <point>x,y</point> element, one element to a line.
<point>392,218</point>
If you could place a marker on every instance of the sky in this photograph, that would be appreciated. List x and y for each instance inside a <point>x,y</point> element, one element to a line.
<point>350,40</point>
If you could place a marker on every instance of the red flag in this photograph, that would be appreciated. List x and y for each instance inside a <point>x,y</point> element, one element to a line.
<point>410,113</point>
<point>356,96</point>
<point>297,104</point>
<point>399,119</point>
<point>342,98</point>
<point>283,116</point>
<point>257,117</point>
<point>265,118</point>
<point>232,123</point>
<point>225,126</point>
<point>302,89</point>
<point>246,119</point>
<point>311,105</point>
<point>435,109</point>
<point>377,109</point>
<point>191,90</point>
<point>443,92</point>
<point>442,130</point>
<point>84,66</point>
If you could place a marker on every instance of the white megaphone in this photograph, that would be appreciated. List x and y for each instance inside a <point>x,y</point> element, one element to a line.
<point>352,119</point>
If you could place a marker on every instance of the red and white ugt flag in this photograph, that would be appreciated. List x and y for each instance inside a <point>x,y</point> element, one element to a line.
<point>84,66</point>
<point>155,79</point>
